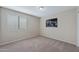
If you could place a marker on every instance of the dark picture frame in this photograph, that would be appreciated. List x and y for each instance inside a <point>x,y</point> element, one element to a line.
<point>52,22</point>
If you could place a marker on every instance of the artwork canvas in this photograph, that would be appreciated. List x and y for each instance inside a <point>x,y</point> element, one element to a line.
<point>51,22</point>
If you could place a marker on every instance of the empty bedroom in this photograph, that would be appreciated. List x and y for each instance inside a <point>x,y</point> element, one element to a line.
<point>39,29</point>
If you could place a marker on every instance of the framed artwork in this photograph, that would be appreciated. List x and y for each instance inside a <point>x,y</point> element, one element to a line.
<point>52,22</point>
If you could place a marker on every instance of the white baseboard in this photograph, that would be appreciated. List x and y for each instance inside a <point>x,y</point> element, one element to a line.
<point>8,42</point>
<point>58,40</point>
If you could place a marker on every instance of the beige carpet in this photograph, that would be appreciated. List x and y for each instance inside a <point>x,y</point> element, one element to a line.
<point>39,44</point>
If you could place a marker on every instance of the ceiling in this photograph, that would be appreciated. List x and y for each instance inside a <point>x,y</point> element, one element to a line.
<point>34,10</point>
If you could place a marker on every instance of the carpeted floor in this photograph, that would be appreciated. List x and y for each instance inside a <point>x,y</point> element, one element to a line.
<point>39,44</point>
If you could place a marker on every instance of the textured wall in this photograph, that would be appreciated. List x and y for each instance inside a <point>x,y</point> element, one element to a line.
<point>66,30</point>
<point>32,30</point>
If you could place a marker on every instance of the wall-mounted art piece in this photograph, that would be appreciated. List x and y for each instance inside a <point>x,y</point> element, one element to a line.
<point>52,22</point>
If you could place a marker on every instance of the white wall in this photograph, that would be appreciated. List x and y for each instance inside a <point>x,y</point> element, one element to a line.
<point>32,30</point>
<point>0,24</point>
<point>78,29</point>
<point>66,30</point>
<point>78,26</point>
